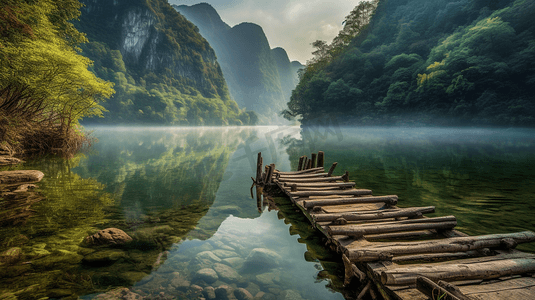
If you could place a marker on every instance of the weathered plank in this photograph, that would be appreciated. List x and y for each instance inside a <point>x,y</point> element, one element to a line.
<point>322,184</point>
<point>517,288</point>
<point>377,214</point>
<point>458,271</point>
<point>459,244</point>
<point>375,229</point>
<point>300,172</point>
<point>305,180</point>
<point>390,200</point>
<point>304,175</point>
<point>355,192</point>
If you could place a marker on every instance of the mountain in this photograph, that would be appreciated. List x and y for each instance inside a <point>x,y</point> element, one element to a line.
<point>259,78</point>
<point>443,62</point>
<point>164,71</point>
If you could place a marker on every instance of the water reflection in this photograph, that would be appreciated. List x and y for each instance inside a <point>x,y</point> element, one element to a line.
<point>176,192</point>
<point>485,177</point>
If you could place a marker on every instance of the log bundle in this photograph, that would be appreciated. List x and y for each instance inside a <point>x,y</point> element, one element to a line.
<point>406,254</point>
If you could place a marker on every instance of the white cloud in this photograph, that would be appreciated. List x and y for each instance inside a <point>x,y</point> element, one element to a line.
<point>290,24</point>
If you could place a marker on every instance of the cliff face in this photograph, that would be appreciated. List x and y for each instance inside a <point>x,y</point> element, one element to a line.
<point>259,78</point>
<point>164,70</point>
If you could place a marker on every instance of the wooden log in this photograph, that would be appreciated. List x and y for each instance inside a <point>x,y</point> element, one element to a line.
<point>345,177</point>
<point>310,171</point>
<point>356,192</point>
<point>376,214</point>
<point>434,257</point>
<point>309,180</point>
<point>259,168</point>
<point>325,184</point>
<point>450,245</point>
<point>374,229</point>
<point>309,164</point>
<point>331,170</point>
<point>461,271</point>
<point>304,175</point>
<point>313,163</point>
<point>300,163</point>
<point>319,188</point>
<point>321,158</point>
<point>294,188</point>
<point>433,290</point>
<point>364,291</point>
<point>452,289</point>
<point>390,200</point>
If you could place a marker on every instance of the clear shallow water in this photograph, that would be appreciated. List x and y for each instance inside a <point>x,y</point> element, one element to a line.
<point>183,195</point>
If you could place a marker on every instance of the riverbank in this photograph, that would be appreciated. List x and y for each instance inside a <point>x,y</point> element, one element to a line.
<point>22,137</point>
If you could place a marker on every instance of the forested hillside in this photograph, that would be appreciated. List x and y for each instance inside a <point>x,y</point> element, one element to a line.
<point>442,62</point>
<point>164,71</point>
<point>259,78</point>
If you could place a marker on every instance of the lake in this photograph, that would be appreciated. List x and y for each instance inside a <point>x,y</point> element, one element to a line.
<point>183,195</point>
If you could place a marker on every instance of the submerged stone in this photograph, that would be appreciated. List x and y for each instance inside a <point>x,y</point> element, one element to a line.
<point>262,259</point>
<point>224,253</point>
<point>108,236</point>
<point>11,256</point>
<point>209,293</point>
<point>226,273</point>
<point>223,292</point>
<point>207,258</point>
<point>242,294</point>
<point>207,275</point>
<point>179,282</point>
<point>235,262</point>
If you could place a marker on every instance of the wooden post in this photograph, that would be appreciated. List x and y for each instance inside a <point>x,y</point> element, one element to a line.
<point>300,163</point>
<point>309,164</point>
<point>313,164</point>
<point>305,163</point>
<point>331,170</point>
<point>270,173</point>
<point>294,188</point>
<point>345,177</point>
<point>259,168</point>
<point>321,158</point>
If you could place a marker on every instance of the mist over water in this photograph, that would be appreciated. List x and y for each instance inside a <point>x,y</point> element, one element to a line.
<point>483,176</point>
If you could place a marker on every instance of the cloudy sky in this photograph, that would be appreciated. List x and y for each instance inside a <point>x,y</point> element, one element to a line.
<point>290,24</point>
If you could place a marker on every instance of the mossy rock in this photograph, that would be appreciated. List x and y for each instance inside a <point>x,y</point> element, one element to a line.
<point>11,255</point>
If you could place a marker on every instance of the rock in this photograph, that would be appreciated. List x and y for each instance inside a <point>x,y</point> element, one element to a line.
<point>8,160</point>
<point>20,176</point>
<point>234,262</point>
<point>24,188</point>
<point>259,295</point>
<point>207,275</point>
<point>209,293</point>
<point>131,278</point>
<point>292,295</point>
<point>11,255</point>
<point>224,253</point>
<point>262,259</point>
<point>179,282</point>
<point>119,294</point>
<point>223,292</point>
<point>242,294</point>
<point>268,296</point>
<point>101,258</point>
<point>268,278</point>
<point>196,288</point>
<point>206,258</point>
<point>108,236</point>
<point>252,288</point>
<point>226,273</point>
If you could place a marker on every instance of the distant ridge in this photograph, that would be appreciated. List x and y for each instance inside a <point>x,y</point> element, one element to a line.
<point>259,78</point>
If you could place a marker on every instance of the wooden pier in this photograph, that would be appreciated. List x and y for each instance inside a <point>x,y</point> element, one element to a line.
<point>399,253</point>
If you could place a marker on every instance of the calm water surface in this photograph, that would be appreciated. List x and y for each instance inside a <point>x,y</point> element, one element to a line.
<point>183,195</point>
